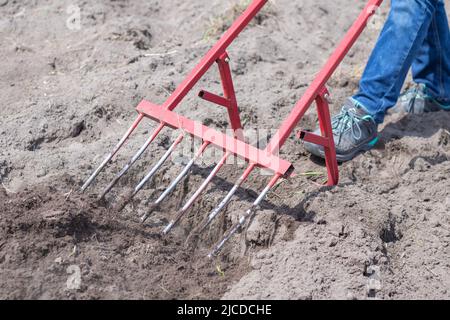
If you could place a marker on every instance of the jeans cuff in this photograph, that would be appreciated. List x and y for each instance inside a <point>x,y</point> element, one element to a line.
<point>444,101</point>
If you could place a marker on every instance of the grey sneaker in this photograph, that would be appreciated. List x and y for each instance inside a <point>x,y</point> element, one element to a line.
<point>354,131</point>
<point>416,100</point>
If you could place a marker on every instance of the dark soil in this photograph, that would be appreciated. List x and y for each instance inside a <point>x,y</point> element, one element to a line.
<point>46,236</point>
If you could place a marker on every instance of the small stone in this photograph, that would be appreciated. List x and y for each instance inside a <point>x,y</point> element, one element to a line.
<point>333,242</point>
<point>256,264</point>
<point>421,165</point>
<point>77,128</point>
<point>41,173</point>
<point>261,255</point>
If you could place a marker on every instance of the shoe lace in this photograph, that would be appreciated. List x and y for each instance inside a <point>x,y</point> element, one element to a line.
<point>348,119</point>
<point>420,91</point>
<point>412,94</point>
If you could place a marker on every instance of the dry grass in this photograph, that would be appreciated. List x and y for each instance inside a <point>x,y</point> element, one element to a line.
<point>219,24</point>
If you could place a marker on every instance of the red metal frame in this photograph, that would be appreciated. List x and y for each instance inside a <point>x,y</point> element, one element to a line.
<point>216,138</point>
<point>326,140</point>
<point>260,158</point>
<point>235,145</point>
<point>229,100</point>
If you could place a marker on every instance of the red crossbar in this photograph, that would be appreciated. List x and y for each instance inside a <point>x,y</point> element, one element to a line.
<point>239,148</point>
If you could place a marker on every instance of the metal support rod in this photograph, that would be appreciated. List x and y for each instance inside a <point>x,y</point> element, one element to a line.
<point>158,165</point>
<point>175,182</point>
<point>228,197</point>
<point>223,141</point>
<point>191,80</point>
<point>230,94</point>
<point>323,112</point>
<point>245,217</point>
<point>113,153</point>
<point>321,79</point>
<point>199,191</point>
<point>216,51</point>
<point>133,160</point>
<point>214,98</point>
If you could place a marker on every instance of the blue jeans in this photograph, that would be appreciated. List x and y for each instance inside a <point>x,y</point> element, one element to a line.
<point>416,35</point>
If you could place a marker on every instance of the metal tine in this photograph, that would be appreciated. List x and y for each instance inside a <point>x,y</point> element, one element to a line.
<point>228,197</point>
<point>245,217</point>
<point>175,182</point>
<point>133,160</point>
<point>113,153</point>
<point>199,191</point>
<point>158,165</point>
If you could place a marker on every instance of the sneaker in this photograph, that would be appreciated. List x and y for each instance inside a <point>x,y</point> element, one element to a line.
<point>416,100</point>
<point>354,131</point>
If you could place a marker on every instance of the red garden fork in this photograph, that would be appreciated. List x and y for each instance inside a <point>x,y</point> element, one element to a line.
<point>234,146</point>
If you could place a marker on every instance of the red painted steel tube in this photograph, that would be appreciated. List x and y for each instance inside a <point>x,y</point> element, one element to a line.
<point>323,111</point>
<point>320,81</point>
<point>230,94</point>
<point>313,138</point>
<point>239,148</point>
<point>216,51</point>
<point>214,98</point>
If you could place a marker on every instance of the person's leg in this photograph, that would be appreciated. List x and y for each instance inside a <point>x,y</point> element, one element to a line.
<point>431,67</point>
<point>355,128</point>
<point>398,45</point>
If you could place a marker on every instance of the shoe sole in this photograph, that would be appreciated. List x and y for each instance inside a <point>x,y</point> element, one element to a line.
<point>345,157</point>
